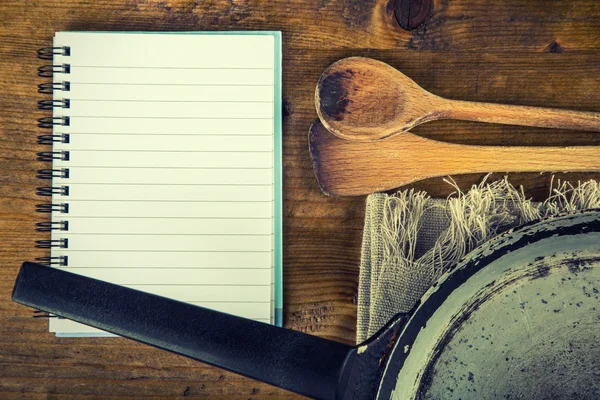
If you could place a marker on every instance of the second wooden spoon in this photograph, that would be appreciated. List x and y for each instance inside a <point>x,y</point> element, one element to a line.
<point>346,168</point>
<point>363,99</point>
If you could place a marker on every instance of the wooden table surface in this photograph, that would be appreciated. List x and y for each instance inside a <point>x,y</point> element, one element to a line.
<point>543,53</point>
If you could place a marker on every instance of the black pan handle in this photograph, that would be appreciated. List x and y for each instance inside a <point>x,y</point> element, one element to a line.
<point>292,360</point>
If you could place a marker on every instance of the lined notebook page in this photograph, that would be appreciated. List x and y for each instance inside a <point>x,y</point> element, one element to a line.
<point>171,164</point>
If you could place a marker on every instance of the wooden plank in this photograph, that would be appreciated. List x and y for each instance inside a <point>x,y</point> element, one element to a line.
<point>509,25</point>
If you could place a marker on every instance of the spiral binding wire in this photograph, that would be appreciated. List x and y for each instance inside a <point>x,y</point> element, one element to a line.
<point>50,104</point>
<point>53,155</point>
<point>50,71</point>
<point>58,138</point>
<point>62,208</point>
<point>48,53</point>
<point>53,173</point>
<point>50,88</point>
<point>52,226</point>
<point>44,314</point>
<point>49,122</point>
<point>61,261</point>
<point>52,190</point>
<point>47,244</point>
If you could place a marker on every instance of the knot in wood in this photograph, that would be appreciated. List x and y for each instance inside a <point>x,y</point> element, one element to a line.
<point>411,14</point>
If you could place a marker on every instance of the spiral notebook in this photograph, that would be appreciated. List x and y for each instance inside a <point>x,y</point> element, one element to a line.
<point>166,166</point>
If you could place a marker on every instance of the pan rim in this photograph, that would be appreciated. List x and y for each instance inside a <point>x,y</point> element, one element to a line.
<point>572,223</point>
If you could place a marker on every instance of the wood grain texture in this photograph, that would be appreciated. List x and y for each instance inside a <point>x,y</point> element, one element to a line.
<point>508,51</point>
<point>352,168</point>
<point>362,99</point>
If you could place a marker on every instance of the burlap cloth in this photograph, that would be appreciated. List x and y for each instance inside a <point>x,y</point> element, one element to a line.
<point>410,239</point>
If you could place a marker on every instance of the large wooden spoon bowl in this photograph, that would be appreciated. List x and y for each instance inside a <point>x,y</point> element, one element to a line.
<point>363,99</point>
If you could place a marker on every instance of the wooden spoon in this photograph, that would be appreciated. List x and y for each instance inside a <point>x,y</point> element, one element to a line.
<point>348,168</point>
<point>363,99</point>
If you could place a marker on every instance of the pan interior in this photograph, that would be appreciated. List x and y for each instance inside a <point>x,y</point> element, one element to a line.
<point>519,318</point>
<point>531,336</point>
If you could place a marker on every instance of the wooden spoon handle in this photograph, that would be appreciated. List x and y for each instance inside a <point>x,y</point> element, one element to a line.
<point>522,115</point>
<point>348,168</point>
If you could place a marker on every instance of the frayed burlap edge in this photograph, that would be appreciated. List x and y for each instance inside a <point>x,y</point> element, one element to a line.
<point>409,239</point>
